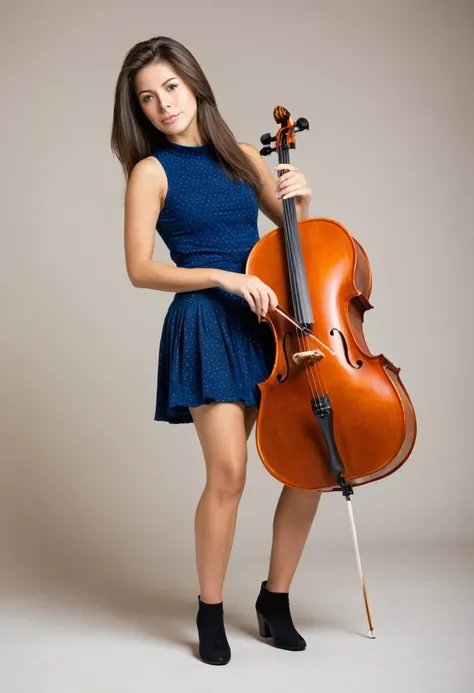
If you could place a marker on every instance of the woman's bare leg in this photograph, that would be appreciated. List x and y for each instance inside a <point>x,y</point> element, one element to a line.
<point>293,519</point>
<point>294,515</point>
<point>222,434</point>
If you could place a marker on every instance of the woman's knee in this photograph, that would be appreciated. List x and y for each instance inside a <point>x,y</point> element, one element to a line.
<point>222,433</point>
<point>226,477</point>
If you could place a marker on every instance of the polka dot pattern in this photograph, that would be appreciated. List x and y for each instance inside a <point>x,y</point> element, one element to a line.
<point>212,347</point>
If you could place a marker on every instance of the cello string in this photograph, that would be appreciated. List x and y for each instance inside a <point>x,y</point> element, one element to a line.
<point>284,158</point>
<point>291,230</point>
<point>296,257</point>
<point>314,371</point>
<point>291,225</point>
<point>295,262</point>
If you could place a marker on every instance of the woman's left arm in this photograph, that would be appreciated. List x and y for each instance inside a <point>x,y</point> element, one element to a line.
<point>292,183</point>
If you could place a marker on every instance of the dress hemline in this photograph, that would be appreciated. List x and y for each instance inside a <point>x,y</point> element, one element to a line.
<point>185,417</point>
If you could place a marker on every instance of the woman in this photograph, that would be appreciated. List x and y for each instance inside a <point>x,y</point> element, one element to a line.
<point>190,180</point>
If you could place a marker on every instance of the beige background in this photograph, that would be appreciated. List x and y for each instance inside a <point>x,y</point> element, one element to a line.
<point>91,486</point>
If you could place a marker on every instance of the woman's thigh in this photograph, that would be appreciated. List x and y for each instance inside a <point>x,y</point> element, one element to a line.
<point>250,419</point>
<point>222,429</point>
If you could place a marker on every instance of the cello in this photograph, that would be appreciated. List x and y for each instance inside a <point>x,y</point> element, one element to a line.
<point>332,415</point>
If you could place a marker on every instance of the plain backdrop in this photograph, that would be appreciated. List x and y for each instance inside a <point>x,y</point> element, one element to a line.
<point>91,487</point>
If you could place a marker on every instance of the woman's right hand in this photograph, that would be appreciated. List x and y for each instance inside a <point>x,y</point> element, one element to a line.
<point>258,295</point>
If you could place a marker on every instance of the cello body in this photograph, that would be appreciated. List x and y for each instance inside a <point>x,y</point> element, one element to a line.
<point>370,426</point>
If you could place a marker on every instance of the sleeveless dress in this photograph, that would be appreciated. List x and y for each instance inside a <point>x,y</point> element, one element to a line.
<point>212,347</point>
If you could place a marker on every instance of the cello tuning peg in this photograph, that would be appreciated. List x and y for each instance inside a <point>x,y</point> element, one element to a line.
<point>267,138</point>
<point>265,151</point>
<point>302,124</point>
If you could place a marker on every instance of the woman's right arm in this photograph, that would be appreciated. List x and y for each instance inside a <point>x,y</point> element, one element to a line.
<point>143,201</point>
<point>144,197</point>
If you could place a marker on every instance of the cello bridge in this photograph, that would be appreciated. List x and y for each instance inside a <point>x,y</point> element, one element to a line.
<point>311,356</point>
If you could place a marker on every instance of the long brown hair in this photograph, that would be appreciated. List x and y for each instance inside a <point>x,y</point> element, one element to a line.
<point>134,137</point>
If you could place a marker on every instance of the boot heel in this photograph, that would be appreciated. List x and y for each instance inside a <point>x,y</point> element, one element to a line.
<point>263,627</point>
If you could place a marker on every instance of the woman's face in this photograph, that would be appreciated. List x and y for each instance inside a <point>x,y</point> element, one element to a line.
<point>167,101</point>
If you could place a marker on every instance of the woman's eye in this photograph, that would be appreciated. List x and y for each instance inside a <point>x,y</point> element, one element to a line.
<point>172,86</point>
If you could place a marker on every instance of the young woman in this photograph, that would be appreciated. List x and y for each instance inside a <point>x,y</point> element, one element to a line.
<point>190,180</point>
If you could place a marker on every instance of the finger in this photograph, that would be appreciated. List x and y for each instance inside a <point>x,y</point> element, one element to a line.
<point>285,167</point>
<point>287,176</point>
<point>271,299</point>
<point>249,298</point>
<point>258,300</point>
<point>291,185</point>
<point>265,303</point>
<point>264,291</point>
<point>300,192</point>
<point>265,300</point>
<point>295,179</point>
<point>291,179</point>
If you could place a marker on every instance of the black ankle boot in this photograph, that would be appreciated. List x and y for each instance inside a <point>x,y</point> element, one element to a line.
<point>213,645</point>
<point>274,619</point>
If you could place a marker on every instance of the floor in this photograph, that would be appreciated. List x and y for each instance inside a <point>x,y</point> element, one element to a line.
<point>422,607</point>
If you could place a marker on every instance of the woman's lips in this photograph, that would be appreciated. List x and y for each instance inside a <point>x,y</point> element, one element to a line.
<point>170,119</point>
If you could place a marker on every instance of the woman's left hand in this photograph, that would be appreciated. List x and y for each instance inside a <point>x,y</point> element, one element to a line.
<point>293,184</point>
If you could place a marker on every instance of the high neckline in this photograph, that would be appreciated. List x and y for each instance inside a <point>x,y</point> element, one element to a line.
<point>188,150</point>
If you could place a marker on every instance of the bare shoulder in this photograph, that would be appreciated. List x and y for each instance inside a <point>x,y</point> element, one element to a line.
<point>148,170</point>
<point>147,177</point>
<point>250,151</point>
<point>258,161</point>
<point>268,202</point>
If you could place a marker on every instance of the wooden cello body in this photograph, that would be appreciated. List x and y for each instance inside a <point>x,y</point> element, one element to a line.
<point>332,415</point>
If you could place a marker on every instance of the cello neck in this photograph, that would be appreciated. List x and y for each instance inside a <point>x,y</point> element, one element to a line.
<point>300,297</point>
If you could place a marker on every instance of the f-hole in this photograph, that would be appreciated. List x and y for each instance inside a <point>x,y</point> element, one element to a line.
<point>281,378</point>
<point>359,363</point>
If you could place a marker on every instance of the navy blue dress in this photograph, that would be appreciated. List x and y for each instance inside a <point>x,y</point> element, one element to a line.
<point>212,347</point>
